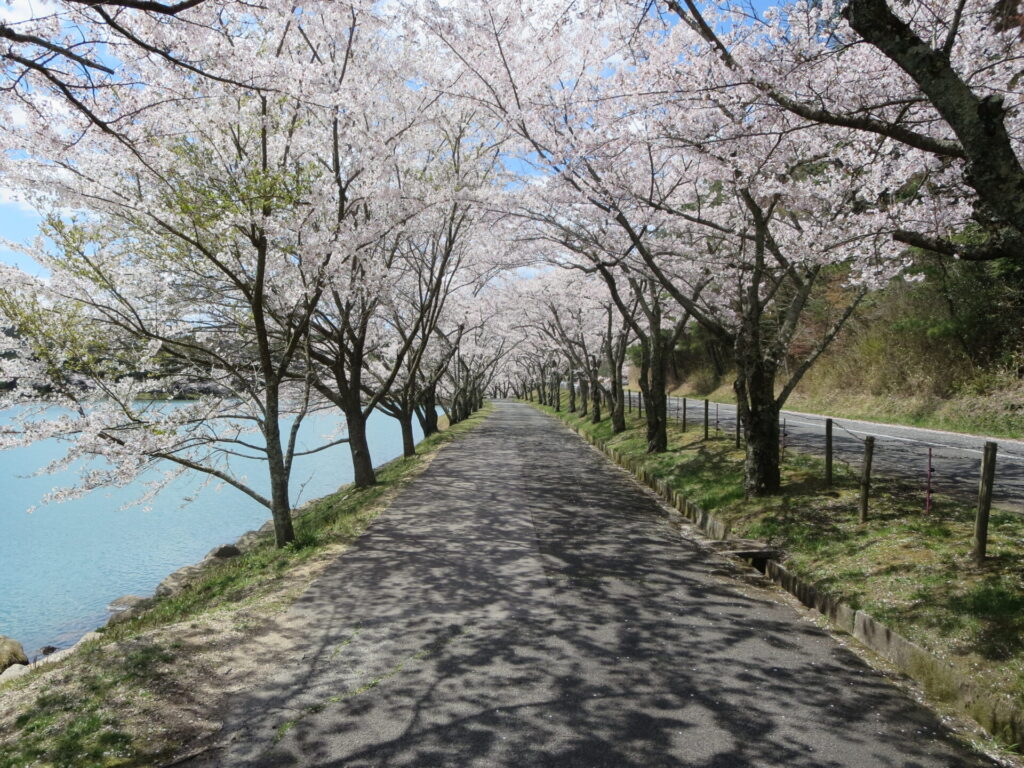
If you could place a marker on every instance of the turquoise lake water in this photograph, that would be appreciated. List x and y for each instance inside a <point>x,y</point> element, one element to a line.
<point>62,564</point>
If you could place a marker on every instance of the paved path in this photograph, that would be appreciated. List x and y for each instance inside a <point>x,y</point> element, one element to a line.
<point>523,603</point>
<point>900,452</point>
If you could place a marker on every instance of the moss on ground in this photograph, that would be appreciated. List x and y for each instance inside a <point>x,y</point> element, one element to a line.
<point>909,569</point>
<point>81,720</point>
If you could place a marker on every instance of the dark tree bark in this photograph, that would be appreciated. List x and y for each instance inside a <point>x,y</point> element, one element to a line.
<point>993,169</point>
<point>363,475</point>
<point>655,349</point>
<point>656,397</point>
<point>280,509</point>
<point>408,440</point>
<point>616,351</point>
<point>758,411</point>
<point>427,411</point>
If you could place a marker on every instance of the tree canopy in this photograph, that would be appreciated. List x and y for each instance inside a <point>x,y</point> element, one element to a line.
<point>283,208</point>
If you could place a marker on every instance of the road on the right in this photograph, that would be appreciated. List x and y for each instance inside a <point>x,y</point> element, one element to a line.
<point>900,452</point>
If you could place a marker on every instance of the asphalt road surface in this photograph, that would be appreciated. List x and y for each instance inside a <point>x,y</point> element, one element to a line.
<point>524,603</point>
<point>900,452</point>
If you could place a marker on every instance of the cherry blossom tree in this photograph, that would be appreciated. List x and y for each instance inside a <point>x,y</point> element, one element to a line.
<point>934,83</point>
<point>710,192</point>
<point>573,311</point>
<point>212,240</point>
<point>443,252</point>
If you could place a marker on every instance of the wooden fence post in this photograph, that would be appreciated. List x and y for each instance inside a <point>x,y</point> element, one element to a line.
<point>706,421</point>
<point>684,414</point>
<point>988,473</point>
<point>865,478</point>
<point>828,453</point>
<point>928,485</point>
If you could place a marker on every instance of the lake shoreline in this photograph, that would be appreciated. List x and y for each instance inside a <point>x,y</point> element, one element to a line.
<point>62,565</point>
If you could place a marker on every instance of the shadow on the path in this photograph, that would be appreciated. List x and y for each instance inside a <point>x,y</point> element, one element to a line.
<point>523,604</point>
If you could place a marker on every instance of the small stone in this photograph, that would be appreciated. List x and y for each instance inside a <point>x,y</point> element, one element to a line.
<point>46,650</point>
<point>11,652</point>
<point>249,541</point>
<point>224,552</point>
<point>124,609</point>
<point>127,607</point>
<point>13,671</point>
<point>177,581</point>
<point>126,602</point>
<point>53,657</point>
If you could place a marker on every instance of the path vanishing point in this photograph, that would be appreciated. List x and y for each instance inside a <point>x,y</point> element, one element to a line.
<point>524,603</point>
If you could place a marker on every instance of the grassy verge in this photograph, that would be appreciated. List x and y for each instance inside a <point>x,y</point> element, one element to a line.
<point>995,414</point>
<point>909,569</point>
<point>106,705</point>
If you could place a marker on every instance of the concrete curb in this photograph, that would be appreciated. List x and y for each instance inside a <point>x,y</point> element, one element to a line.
<point>999,716</point>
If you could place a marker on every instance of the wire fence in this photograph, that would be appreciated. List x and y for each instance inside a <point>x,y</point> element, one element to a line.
<point>933,461</point>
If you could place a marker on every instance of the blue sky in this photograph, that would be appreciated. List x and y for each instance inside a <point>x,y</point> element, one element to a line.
<point>18,224</point>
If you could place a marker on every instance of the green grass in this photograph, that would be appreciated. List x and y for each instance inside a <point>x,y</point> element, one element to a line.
<point>909,569</point>
<point>78,722</point>
<point>75,728</point>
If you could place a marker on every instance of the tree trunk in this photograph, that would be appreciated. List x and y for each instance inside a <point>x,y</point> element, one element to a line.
<point>618,408</point>
<point>616,361</point>
<point>408,441</point>
<point>572,392</point>
<point>363,475</point>
<point>584,397</point>
<point>595,401</point>
<point>755,396</point>
<point>280,509</point>
<point>428,423</point>
<point>656,400</point>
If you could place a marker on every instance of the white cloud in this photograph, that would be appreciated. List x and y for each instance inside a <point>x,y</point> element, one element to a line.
<point>15,11</point>
<point>16,116</point>
<point>13,198</point>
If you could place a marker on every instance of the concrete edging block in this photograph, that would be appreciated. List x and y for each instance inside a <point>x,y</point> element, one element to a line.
<point>938,677</point>
<point>1001,718</point>
<point>838,612</point>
